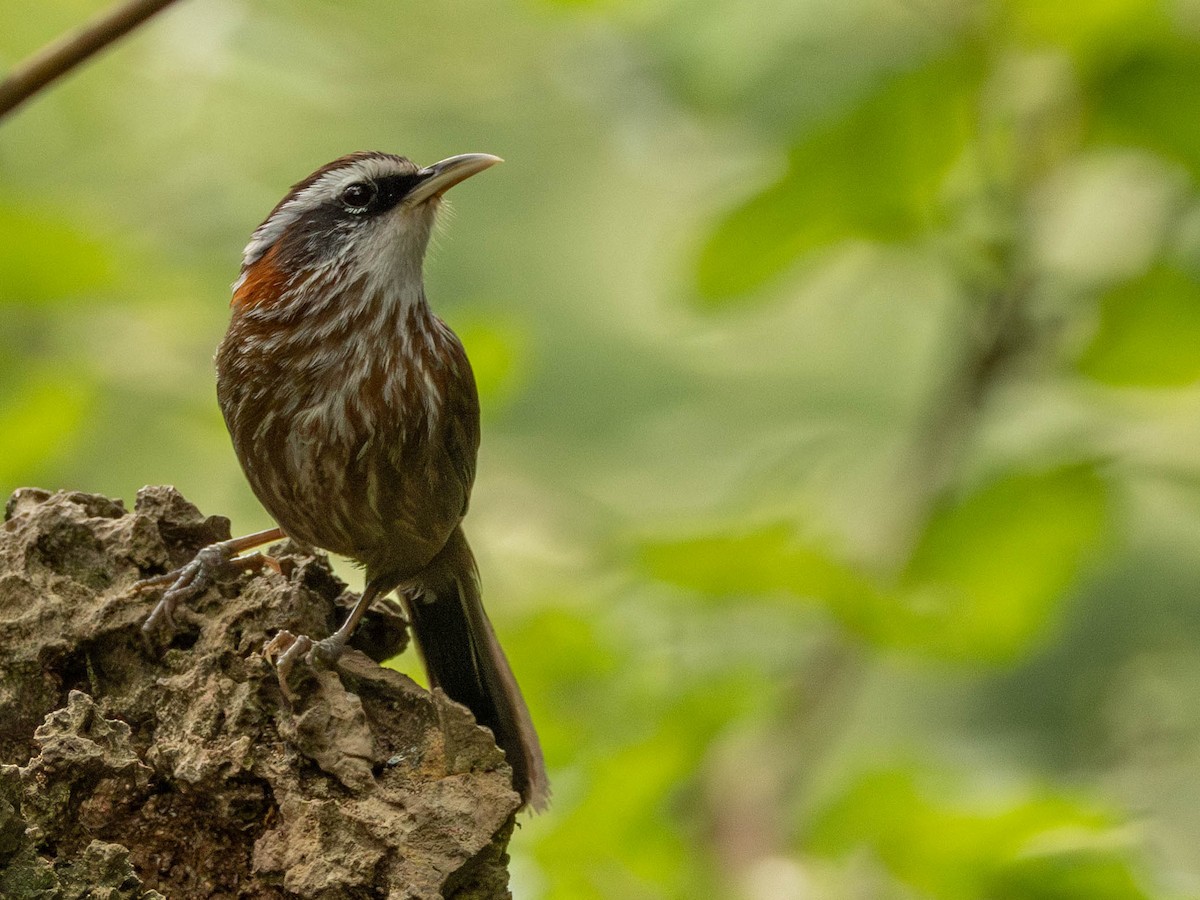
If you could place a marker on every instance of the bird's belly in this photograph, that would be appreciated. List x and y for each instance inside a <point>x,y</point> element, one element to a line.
<point>378,493</point>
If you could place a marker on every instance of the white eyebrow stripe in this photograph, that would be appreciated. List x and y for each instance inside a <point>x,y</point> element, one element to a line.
<point>324,189</point>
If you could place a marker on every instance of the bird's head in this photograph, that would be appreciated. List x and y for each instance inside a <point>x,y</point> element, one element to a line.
<point>363,220</point>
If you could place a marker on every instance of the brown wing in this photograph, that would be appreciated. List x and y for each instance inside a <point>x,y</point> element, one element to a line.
<point>461,417</point>
<point>427,472</point>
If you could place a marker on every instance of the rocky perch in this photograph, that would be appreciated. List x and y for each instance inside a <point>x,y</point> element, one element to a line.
<point>185,773</point>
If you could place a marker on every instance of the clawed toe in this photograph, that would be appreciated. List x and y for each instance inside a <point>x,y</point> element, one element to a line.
<point>285,650</point>
<point>184,583</point>
<point>205,569</point>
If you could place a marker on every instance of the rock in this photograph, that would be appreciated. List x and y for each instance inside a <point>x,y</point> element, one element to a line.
<point>187,774</point>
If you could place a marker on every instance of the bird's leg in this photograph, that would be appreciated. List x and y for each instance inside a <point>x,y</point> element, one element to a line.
<point>291,648</point>
<point>200,574</point>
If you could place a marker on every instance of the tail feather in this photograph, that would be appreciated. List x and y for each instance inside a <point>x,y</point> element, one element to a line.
<point>463,657</point>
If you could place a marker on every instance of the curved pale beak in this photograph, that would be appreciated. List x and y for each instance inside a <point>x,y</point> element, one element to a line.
<point>441,176</point>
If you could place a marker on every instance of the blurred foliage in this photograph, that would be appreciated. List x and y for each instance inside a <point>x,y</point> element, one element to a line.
<point>1148,333</point>
<point>46,261</point>
<point>1046,847</point>
<point>838,502</point>
<point>874,172</point>
<point>980,584</point>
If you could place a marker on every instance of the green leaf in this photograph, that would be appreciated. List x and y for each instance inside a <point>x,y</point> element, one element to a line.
<point>874,173</point>
<point>1043,846</point>
<point>768,560</point>
<point>1093,32</point>
<point>983,581</point>
<point>990,570</point>
<point>1085,873</point>
<point>1150,101</point>
<point>1149,333</point>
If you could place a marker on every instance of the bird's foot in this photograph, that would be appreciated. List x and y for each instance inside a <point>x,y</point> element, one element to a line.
<point>206,568</point>
<point>285,650</point>
<point>185,583</point>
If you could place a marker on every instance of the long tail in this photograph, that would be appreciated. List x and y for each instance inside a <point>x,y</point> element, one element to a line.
<point>464,659</point>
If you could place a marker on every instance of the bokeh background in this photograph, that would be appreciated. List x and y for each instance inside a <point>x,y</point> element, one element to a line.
<point>839,501</point>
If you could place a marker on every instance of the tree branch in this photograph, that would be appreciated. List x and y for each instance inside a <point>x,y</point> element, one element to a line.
<point>60,57</point>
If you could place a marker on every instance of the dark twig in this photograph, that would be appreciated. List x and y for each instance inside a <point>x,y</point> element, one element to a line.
<point>60,57</point>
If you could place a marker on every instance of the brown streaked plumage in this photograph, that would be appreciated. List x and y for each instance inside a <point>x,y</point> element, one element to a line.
<point>354,413</point>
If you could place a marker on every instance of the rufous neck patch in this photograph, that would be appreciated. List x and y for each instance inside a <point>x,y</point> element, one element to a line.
<point>262,283</point>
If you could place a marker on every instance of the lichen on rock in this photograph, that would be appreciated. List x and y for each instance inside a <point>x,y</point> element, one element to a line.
<point>185,773</point>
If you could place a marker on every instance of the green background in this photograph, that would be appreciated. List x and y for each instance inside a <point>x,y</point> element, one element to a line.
<point>839,500</point>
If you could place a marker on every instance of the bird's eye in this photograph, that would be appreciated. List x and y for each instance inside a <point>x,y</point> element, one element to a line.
<point>355,197</point>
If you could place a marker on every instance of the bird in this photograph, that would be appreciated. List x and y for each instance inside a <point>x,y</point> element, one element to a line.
<point>354,413</point>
